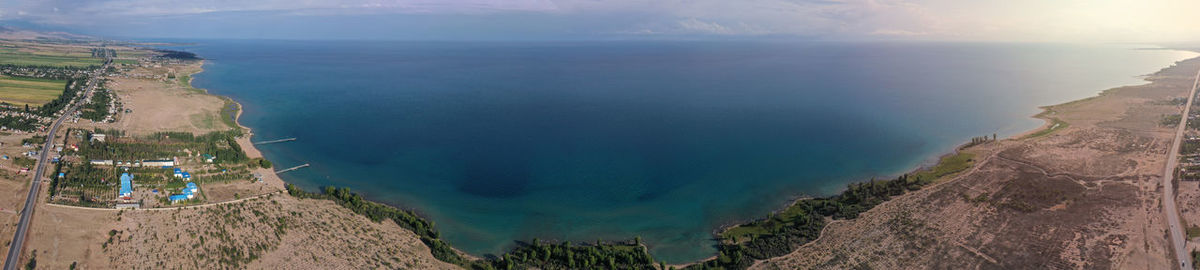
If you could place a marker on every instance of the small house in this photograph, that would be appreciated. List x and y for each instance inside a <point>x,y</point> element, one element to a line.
<point>178,173</point>
<point>209,158</point>
<point>178,198</point>
<point>97,137</point>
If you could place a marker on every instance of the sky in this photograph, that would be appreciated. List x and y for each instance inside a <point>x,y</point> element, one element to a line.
<point>942,20</point>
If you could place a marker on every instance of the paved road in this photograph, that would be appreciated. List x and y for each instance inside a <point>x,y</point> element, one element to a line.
<point>1178,242</point>
<point>14,251</point>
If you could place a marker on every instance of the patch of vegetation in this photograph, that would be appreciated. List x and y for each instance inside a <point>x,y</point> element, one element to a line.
<point>1170,120</point>
<point>24,162</point>
<point>229,113</point>
<point>1179,101</point>
<point>32,264</point>
<point>36,139</point>
<point>1055,125</point>
<point>783,232</point>
<point>1195,259</point>
<point>54,179</point>
<point>1193,231</point>
<point>948,165</point>
<point>260,162</point>
<point>97,109</point>
<point>180,55</point>
<point>21,123</point>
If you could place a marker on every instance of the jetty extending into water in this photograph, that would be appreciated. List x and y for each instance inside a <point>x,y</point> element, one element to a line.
<point>292,168</point>
<point>275,141</point>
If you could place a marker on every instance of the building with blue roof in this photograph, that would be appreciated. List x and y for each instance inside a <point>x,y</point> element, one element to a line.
<point>186,176</point>
<point>178,172</point>
<point>178,198</point>
<point>126,186</point>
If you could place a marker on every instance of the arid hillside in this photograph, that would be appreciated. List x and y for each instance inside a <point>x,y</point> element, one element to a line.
<point>1085,196</point>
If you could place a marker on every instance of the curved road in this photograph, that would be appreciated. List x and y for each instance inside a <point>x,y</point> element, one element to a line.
<point>14,250</point>
<point>1178,242</point>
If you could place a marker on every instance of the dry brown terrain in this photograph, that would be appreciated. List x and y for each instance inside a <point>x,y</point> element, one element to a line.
<point>274,231</point>
<point>165,105</point>
<point>14,186</point>
<point>1083,197</point>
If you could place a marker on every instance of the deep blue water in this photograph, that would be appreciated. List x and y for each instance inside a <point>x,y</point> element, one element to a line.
<point>499,142</point>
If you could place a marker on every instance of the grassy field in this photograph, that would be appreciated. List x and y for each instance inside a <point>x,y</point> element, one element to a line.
<point>948,165</point>
<point>55,58</point>
<point>34,92</point>
<point>1055,125</point>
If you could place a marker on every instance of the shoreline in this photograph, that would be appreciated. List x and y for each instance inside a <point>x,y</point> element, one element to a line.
<point>1048,127</point>
<point>933,161</point>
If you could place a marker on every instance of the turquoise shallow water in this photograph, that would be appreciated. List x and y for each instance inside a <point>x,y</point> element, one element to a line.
<point>499,142</point>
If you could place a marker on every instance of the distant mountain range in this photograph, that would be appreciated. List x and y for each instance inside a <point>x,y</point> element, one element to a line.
<point>12,33</point>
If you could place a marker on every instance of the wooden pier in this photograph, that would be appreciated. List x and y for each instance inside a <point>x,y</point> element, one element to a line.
<point>292,168</point>
<point>275,141</point>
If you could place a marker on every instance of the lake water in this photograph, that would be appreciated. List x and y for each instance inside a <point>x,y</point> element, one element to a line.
<point>497,142</point>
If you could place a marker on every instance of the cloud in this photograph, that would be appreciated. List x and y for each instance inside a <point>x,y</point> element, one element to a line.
<point>896,32</point>
<point>694,25</point>
<point>718,17</point>
<point>828,19</point>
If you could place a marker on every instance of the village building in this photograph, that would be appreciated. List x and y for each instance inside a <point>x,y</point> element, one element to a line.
<point>126,186</point>
<point>158,163</point>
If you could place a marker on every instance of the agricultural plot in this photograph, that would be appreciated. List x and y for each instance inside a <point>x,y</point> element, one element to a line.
<point>84,185</point>
<point>29,91</point>
<point>49,57</point>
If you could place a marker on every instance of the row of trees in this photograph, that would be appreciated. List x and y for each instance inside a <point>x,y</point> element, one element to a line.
<point>222,144</point>
<point>97,110</point>
<point>90,185</point>
<point>181,55</point>
<point>378,212</point>
<point>777,235</point>
<point>45,72</point>
<point>535,255</point>
<point>104,53</point>
<point>72,88</point>
<point>803,221</point>
<point>19,123</point>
